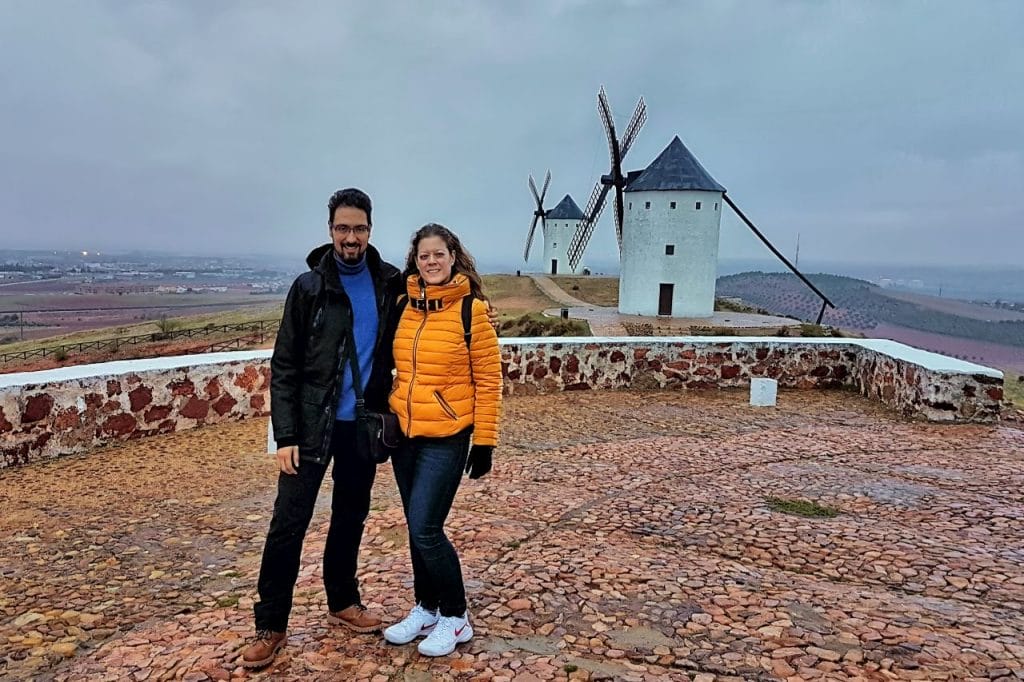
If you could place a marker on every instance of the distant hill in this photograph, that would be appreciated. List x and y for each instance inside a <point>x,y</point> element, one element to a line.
<point>862,305</point>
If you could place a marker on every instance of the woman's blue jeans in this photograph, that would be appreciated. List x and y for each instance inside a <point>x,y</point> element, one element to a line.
<point>428,472</point>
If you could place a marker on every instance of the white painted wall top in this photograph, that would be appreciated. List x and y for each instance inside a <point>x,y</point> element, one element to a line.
<point>122,367</point>
<point>930,361</point>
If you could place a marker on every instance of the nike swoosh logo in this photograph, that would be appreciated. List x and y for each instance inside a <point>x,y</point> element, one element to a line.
<point>459,631</point>
<point>428,626</point>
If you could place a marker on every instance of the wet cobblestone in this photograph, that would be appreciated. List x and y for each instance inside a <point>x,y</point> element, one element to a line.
<point>622,535</point>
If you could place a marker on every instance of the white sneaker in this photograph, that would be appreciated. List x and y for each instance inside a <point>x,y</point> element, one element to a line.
<point>449,631</point>
<point>419,623</point>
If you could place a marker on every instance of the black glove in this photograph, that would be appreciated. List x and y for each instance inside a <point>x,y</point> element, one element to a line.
<point>479,462</point>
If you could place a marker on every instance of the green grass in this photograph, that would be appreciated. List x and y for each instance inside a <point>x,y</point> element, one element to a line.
<point>595,290</point>
<point>537,324</point>
<point>513,295</point>
<point>228,601</point>
<point>1013,389</point>
<point>801,508</point>
<point>570,668</point>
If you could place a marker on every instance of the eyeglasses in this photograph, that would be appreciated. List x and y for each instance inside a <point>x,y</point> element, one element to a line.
<point>358,230</point>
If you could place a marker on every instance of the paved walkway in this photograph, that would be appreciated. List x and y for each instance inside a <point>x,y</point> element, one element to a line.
<point>622,536</point>
<point>607,321</point>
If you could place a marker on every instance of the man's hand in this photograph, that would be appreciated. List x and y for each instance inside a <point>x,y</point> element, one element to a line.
<point>288,459</point>
<point>492,316</point>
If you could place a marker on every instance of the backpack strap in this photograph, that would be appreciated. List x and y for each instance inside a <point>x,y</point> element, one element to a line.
<point>467,320</point>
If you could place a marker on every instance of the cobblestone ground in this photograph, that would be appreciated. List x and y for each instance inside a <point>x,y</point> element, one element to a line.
<point>621,536</point>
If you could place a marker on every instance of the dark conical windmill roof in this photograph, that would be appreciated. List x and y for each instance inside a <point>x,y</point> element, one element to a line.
<point>565,210</point>
<point>675,169</point>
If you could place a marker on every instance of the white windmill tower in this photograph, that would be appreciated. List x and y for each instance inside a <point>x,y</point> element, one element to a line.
<point>667,227</point>
<point>670,238</point>
<point>558,224</point>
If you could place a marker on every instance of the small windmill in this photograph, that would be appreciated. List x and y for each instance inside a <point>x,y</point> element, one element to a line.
<point>617,150</point>
<point>559,224</point>
<point>539,213</point>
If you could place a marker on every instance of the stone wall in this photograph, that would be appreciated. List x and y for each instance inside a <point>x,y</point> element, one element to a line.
<point>45,414</point>
<point>56,412</point>
<point>915,383</point>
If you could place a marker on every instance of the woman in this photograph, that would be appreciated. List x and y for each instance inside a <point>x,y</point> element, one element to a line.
<point>447,390</point>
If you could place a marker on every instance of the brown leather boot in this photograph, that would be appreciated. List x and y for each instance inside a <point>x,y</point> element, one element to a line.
<point>356,618</point>
<point>263,650</point>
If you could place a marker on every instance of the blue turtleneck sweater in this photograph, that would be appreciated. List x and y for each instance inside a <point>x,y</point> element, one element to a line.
<point>358,285</point>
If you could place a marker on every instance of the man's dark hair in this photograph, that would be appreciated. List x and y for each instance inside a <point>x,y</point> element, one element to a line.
<point>353,198</point>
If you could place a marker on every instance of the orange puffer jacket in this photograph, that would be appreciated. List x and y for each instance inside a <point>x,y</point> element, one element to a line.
<point>435,394</point>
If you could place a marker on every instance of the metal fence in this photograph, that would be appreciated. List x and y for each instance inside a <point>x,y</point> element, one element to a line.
<point>255,332</point>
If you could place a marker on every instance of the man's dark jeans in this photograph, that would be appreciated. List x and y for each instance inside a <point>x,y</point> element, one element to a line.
<point>428,472</point>
<point>293,509</point>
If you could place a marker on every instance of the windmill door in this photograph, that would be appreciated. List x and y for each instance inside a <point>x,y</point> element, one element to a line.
<point>665,299</point>
<point>554,266</point>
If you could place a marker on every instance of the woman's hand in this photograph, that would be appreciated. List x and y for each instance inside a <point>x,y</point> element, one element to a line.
<point>479,461</point>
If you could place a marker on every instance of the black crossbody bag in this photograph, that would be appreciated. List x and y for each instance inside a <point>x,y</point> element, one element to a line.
<point>378,434</point>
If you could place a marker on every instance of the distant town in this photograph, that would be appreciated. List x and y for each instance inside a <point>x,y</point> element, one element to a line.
<point>94,272</point>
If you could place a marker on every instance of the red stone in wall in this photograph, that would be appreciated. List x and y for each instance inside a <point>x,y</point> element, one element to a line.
<point>247,379</point>
<point>110,407</point>
<point>212,389</point>
<point>555,364</point>
<point>68,418</point>
<point>540,371</point>
<point>224,404</point>
<point>257,402</point>
<point>640,353</point>
<point>93,401</point>
<point>265,374</point>
<point>5,425</point>
<point>572,364</point>
<point>196,408</point>
<point>730,371</point>
<point>113,387</point>
<point>37,407</point>
<point>139,397</point>
<point>995,393</point>
<point>182,387</point>
<point>618,356</point>
<point>156,413</point>
<point>119,425</point>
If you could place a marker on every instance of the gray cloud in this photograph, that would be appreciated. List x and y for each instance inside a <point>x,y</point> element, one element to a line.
<point>877,130</point>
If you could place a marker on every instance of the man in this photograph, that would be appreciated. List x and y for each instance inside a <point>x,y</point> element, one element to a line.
<point>348,288</point>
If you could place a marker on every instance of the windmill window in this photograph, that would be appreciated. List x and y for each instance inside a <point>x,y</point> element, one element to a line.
<point>647,204</point>
<point>671,204</point>
<point>716,205</point>
<point>631,206</point>
<point>698,205</point>
<point>670,249</point>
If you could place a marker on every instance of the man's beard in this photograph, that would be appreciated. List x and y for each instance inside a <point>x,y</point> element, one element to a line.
<point>346,255</point>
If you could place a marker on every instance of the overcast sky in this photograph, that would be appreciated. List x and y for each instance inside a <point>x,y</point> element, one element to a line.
<point>878,131</point>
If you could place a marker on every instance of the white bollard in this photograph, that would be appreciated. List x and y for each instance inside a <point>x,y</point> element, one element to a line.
<point>763,392</point>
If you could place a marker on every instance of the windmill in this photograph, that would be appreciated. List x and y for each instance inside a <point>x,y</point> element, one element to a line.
<point>667,224</point>
<point>558,225</point>
<point>539,213</point>
<point>617,150</point>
